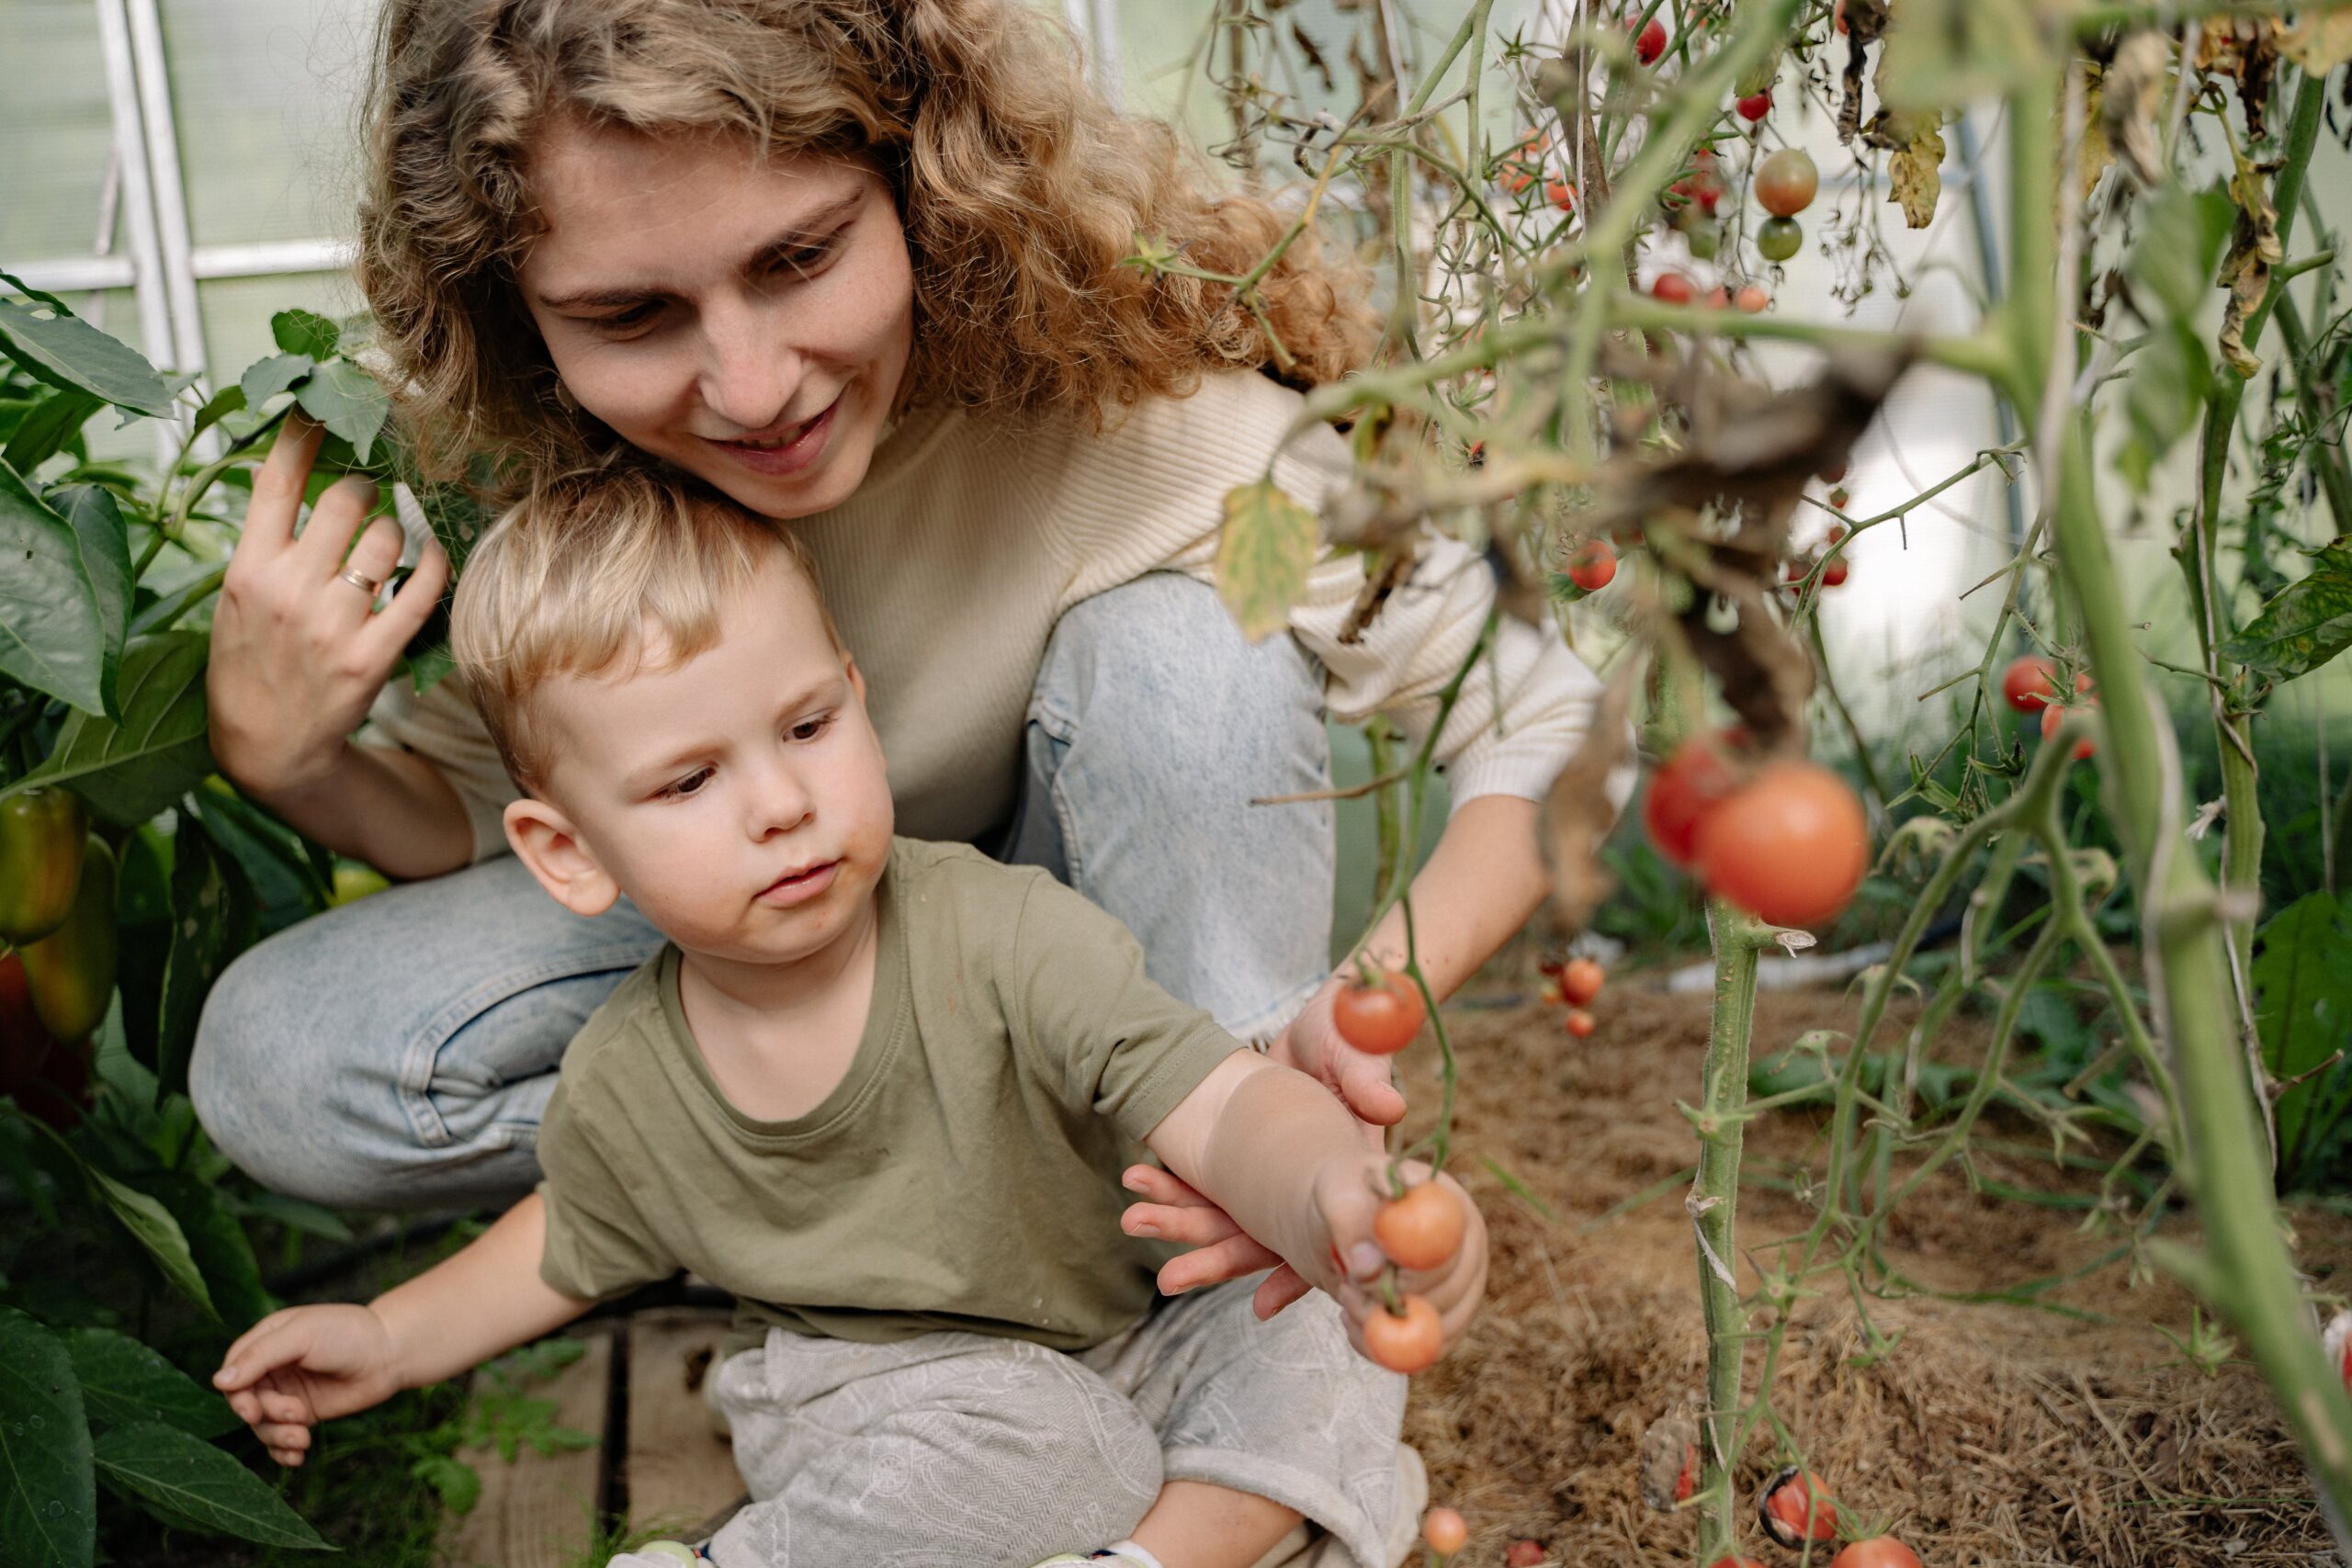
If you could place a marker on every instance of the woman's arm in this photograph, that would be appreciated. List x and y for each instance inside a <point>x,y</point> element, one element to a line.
<point>392,808</point>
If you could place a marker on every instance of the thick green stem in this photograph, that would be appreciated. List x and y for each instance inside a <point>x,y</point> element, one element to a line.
<point>1713,1205</point>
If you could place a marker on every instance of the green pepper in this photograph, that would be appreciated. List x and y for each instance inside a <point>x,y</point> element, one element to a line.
<point>40,862</point>
<point>73,972</point>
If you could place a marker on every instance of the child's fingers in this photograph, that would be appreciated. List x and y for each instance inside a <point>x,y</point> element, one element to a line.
<point>1227,1259</point>
<point>1191,1226</point>
<point>268,1345</point>
<point>290,1407</point>
<point>1277,1290</point>
<point>284,1436</point>
<point>1154,1185</point>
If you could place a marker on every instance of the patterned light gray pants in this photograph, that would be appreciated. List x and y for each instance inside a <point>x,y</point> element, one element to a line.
<point>967,1450</point>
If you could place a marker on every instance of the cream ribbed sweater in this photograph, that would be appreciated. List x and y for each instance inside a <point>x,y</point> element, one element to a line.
<point>970,535</point>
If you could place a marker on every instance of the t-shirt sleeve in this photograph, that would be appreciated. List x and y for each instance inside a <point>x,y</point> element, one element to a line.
<point>442,728</point>
<point>1112,1040</point>
<point>597,1245</point>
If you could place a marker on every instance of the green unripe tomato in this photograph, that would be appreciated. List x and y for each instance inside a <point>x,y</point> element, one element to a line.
<point>72,971</point>
<point>1702,239</point>
<point>40,860</point>
<point>1778,239</point>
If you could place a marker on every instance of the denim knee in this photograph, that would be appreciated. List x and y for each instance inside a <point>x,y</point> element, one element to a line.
<point>255,1091</point>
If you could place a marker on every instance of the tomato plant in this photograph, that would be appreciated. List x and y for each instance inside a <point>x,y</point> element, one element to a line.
<point>1380,1015</point>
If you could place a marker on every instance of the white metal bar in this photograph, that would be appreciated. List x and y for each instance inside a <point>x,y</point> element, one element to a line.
<point>270,259</point>
<point>148,289</point>
<point>77,274</point>
<point>170,195</point>
<point>1110,68</point>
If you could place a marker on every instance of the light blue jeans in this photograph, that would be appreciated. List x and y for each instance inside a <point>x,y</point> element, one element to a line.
<point>398,1053</point>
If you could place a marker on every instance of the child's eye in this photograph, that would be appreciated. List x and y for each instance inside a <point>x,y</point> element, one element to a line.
<point>809,728</point>
<point>685,786</point>
<point>626,321</point>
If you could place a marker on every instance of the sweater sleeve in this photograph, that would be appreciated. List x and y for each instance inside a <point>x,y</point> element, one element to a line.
<point>442,728</point>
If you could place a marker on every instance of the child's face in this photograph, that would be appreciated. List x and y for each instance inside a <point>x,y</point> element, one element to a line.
<point>740,799</point>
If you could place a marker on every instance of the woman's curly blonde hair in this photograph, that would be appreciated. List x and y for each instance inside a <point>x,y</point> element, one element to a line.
<point>1021,191</point>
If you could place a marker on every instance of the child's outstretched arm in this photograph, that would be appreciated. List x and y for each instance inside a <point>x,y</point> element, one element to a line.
<point>308,1364</point>
<point>1284,1158</point>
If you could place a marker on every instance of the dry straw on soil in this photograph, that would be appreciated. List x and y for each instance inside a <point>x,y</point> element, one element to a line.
<point>1994,1434</point>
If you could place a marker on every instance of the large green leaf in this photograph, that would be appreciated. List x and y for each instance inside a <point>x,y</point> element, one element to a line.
<point>130,769</point>
<point>1267,547</point>
<point>212,922</point>
<point>49,1504</point>
<point>192,1481</point>
<point>65,351</point>
<point>150,1223</point>
<point>264,379</point>
<point>2308,622</point>
<point>305,331</point>
<point>104,541</point>
<point>124,1381</point>
<point>2302,979</point>
<point>45,430</point>
<point>51,636</point>
<point>347,400</point>
<point>218,1243</point>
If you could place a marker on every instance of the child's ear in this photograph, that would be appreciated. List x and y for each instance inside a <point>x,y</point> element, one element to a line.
<point>545,839</point>
<point>856,676</point>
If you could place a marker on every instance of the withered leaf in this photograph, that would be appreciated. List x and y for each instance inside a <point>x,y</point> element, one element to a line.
<point>2132,94</point>
<point>1264,554</point>
<point>1670,1447</point>
<point>1916,172</point>
<point>2254,250</point>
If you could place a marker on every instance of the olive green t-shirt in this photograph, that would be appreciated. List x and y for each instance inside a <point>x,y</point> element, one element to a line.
<point>963,1174</point>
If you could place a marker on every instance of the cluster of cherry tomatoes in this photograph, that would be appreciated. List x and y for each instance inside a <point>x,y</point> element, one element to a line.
<point>2034,684</point>
<point>1788,841</point>
<point>1573,983</point>
<point>1380,1012</point>
<point>1835,567</point>
<point>1796,1509</point>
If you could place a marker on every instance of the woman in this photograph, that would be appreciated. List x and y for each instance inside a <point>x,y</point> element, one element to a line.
<point>859,266</point>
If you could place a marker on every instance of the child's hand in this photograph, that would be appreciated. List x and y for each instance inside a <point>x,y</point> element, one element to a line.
<point>308,1364</point>
<point>1348,1196</point>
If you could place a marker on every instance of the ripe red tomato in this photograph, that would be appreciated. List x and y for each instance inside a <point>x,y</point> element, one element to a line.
<point>1834,572</point>
<point>1561,194</point>
<point>1381,1019</point>
<point>1685,788</point>
<point>1718,298</point>
<point>2052,716</point>
<point>1408,1341</point>
<point>1593,567</point>
<point>2029,682</point>
<point>1835,474</point>
<point>1686,1479</point>
<point>1756,106</point>
<point>1444,1530</point>
<point>1580,980</point>
<point>1522,163</point>
<point>1789,1500</point>
<point>1877,1552</point>
<point>1650,42</point>
<point>1580,1023</point>
<point>1671,287</point>
<point>1422,1229</point>
<point>1790,847</point>
<point>1524,1554</point>
<point>1751,299</point>
<point>1786,182</point>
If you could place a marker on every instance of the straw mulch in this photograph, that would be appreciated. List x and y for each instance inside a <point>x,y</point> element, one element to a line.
<point>1995,1435</point>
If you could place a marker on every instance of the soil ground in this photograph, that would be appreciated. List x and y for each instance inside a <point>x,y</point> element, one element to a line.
<point>1995,1434</point>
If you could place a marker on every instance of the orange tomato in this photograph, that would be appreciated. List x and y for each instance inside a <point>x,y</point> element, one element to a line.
<point>1593,567</point>
<point>1790,847</point>
<point>1580,980</point>
<point>1687,786</point>
<point>1406,1341</point>
<point>1877,1552</point>
<point>1381,1019</point>
<point>1445,1530</point>
<point>1795,1506</point>
<point>1422,1229</point>
<point>1580,1023</point>
<point>2052,716</point>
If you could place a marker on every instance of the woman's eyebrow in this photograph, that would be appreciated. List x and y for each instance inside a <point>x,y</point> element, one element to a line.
<point>811,227</point>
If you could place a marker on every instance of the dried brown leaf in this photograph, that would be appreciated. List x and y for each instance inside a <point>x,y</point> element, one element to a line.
<point>2254,250</point>
<point>1669,1446</point>
<point>2132,94</point>
<point>1915,172</point>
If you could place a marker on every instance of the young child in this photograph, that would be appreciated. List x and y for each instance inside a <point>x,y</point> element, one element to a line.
<point>882,1091</point>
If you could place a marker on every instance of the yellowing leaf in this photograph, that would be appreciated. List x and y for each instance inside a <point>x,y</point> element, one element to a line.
<point>1263,555</point>
<point>1917,173</point>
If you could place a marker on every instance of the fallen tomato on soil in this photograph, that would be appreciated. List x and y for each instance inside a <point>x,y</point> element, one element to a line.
<point>1445,1530</point>
<point>1523,1554</point>
<point>1580,1023</point>
<point>1877,1552</point>
<point>1795,1506</point>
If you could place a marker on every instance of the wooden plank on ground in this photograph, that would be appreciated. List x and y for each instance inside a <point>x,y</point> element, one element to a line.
<point>540,1511</point>
<point>681,1474</point>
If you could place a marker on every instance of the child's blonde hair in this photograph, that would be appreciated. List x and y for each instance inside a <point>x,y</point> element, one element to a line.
<point>579,573</point>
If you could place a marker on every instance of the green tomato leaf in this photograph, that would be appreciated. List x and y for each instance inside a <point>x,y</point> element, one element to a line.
<point>200,1483</point>
<point>2169,382</point>
<point>45,431</point>
<point>347,400</point>
<point>2171,265</point>
<point>305,331</point>
<point>63,350</point>
<point>48,1504</point>
<point>2306,623</point>
<point>264,379</point>
<point>226,401</point>
<point>2303,978</point>
<point>124,1382</point>
<point>51,636</point>
<point>104,541</point>
<point>459,1483</point>
<point>126,770</point>
<point>1263,555</point>
<point>212,922</point>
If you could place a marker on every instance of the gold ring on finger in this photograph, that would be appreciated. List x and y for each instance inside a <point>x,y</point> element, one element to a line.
<point>362,581</point>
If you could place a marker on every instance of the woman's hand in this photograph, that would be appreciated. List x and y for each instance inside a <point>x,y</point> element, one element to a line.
<point>1350,1194</point>
<point>297,1368</point>
<point>299,648</point>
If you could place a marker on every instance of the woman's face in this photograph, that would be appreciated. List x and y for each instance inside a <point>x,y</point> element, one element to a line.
<point>749,321</point>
